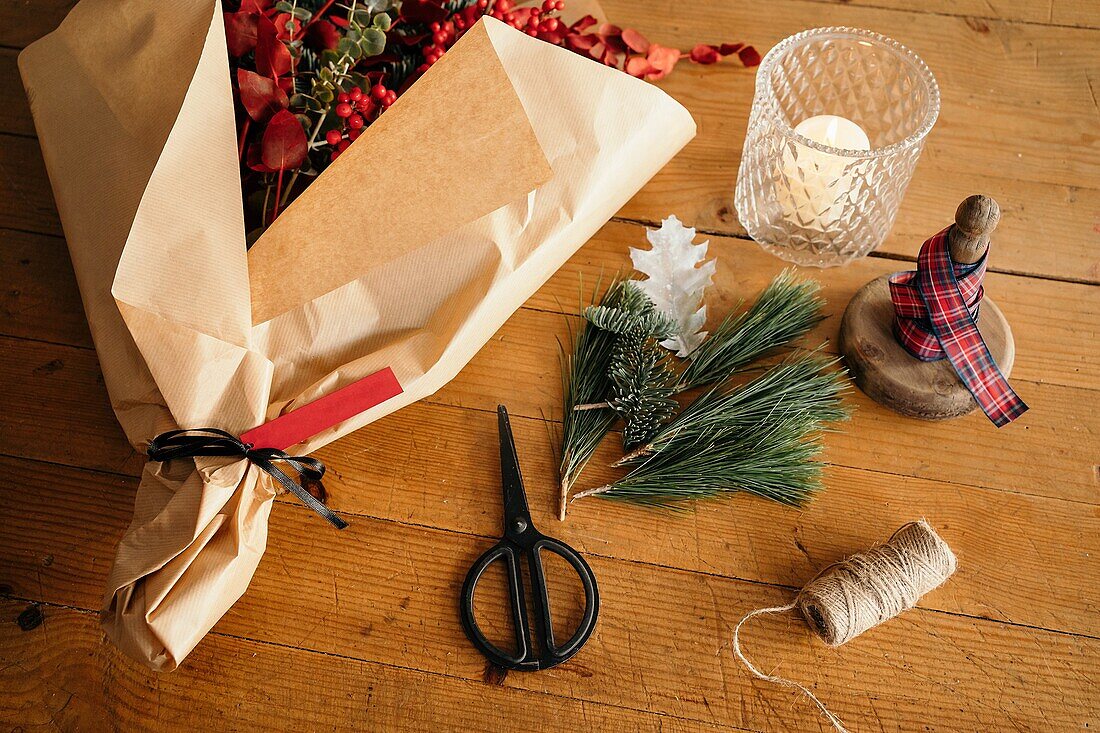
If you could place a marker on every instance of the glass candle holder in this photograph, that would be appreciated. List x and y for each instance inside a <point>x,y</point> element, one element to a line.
<point>838,121</point>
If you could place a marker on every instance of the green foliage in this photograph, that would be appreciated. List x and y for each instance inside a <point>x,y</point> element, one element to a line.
<point>641,374</point>
<point>642,391</point>
<point>804,385</point>
<point>586,381</point>
<point>773,459</point>
<point>761,436</point>
<point>785,310</point>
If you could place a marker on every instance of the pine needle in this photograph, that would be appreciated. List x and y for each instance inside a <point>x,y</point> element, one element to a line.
<point>803,384</point>
<point>760,437</point>
<point>773,459</point>
<point>586,381</point>
<point>785,310</point>
<point>642,376</point>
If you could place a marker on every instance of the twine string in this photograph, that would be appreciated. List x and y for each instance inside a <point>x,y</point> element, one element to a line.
<point>850,597</point>
<point>774,678</point>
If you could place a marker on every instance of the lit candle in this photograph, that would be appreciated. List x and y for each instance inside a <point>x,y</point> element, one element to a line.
<point>817,182</point>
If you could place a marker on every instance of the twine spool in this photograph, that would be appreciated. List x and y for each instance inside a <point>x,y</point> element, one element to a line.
<point>856,594</point>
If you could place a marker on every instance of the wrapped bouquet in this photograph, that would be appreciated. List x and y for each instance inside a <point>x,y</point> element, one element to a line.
<point>371,290</point>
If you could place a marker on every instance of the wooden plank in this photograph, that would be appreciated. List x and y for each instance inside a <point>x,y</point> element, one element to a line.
<point>979,13</point>
<point>62,675</point>
<point>52,390</point>
<point>390,470</point>
<point>1055,324</point>
<point>25,21</point>
<point>40,299</point>
<point>1012,92</point>
<point>15,115</point>
<point>26,201</point>
<point>1018,122</point>
<point>384,592</point>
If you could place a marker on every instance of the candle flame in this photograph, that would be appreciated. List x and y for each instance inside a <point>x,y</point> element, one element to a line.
<point>832,132</point>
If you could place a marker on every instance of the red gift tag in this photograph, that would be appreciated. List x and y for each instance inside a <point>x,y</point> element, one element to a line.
<point>304,422</point>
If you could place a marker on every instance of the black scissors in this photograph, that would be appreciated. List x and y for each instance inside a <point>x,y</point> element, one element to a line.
<point>521,538</point>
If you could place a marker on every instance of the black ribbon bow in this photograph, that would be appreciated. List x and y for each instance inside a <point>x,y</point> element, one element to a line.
<point>214,442</point>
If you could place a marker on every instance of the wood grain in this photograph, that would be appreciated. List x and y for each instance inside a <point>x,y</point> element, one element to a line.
<point>1055,324</point>
<point>384,592</point>
<point>1018,122</point>
<point>54,678</point>
<point>55,390</point>
<point>359,630</point>
<point>986,13</point>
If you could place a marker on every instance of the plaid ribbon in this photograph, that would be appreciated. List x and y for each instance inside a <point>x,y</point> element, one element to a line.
<point>936,313</point>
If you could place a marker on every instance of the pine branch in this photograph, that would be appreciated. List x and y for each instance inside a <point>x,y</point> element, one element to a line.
<point>802,385</point>
<point>785,310</point>
<point>586,382</point>
<point>642,392</point>
<point>773,459</point>
<point>641,373</point>
<point>759,437</point>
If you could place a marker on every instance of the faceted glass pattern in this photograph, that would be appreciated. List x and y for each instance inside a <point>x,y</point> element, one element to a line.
<point>817,205</point>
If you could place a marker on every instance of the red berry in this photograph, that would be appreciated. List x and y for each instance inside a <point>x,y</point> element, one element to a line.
<point>343,110</point>
<point>531,32</point>
<point>335,155</point>
<point>356,94</point>
<point>435,26</point>
<point>378,91</point>
<point>333,137</point>
<point>343,145</point>
<point>391,97</point>
<point>353,135</point>
<point>505,5</point>
<point>559,5</point>
<point>342,97</point>
<point>548,5</point>
<point>483,4</point>
<point>355,122</point>
<point>439,38</point>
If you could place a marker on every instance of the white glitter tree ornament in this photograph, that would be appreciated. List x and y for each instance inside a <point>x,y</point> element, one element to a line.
<point>677,276</point>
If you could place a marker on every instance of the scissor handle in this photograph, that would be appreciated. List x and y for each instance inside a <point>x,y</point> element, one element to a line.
<point>548,654</point>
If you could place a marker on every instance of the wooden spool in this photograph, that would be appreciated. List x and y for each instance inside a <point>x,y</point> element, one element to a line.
<point>885,371</point>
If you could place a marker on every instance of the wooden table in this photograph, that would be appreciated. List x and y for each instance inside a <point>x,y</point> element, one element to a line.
<point>359,629</point>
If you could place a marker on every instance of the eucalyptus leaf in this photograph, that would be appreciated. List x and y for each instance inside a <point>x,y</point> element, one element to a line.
<point>347,47</point>
<point>373,42</point>
<point>382,22</point>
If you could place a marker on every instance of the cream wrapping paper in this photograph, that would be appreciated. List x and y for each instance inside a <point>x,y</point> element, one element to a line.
<point>134,111</point>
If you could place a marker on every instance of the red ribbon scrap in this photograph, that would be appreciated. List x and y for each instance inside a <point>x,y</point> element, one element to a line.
<point>265,446</point>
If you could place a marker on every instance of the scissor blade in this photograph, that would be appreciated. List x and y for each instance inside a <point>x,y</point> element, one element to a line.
<point>515,499</point>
